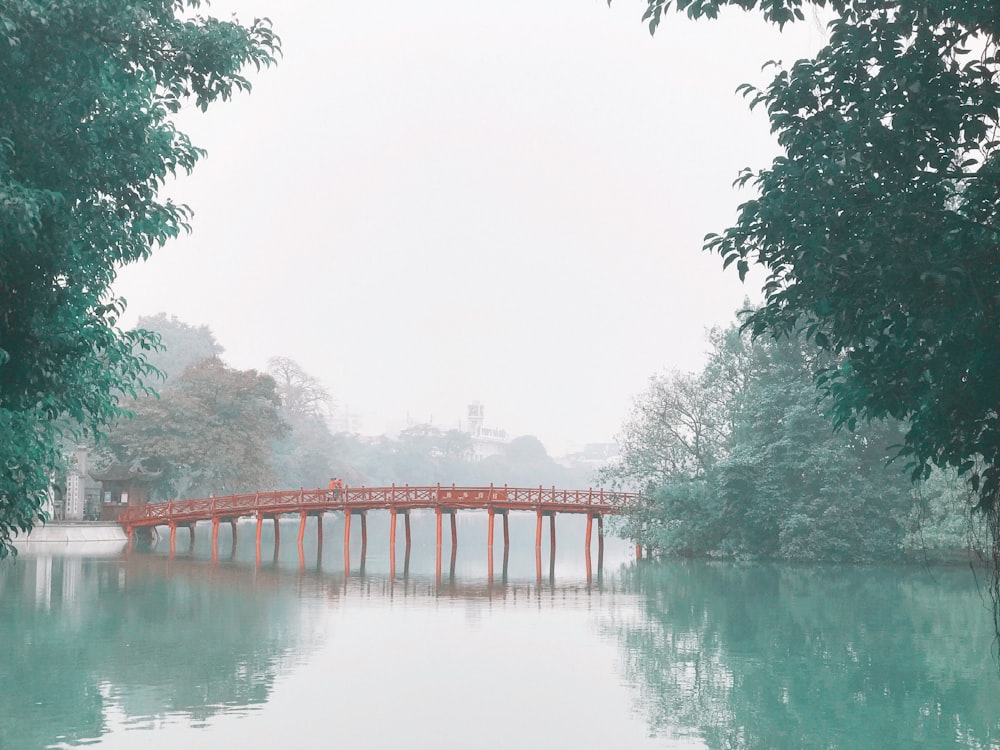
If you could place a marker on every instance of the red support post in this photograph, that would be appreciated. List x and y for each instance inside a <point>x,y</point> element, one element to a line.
<point>538,531</point>
<point>437,557</point>
<point>590,522</point>
<point>347,542</point>
<point>303,515</point>
<point>392,541</point>
<point>489,533</point>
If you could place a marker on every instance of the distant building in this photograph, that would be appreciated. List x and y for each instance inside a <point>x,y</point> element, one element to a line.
<point>121,487</point>
<point>78,498</point>
<point>593,456</point>
<point>486,441</point>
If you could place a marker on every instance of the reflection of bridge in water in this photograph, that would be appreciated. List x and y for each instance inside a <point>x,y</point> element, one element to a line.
<point>334,585</point>
<point>358,501</point>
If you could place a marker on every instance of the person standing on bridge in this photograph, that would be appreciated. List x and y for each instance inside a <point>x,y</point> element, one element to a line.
<point>335,487</point>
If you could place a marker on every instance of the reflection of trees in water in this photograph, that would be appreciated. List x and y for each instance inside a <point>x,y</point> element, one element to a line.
<point>769,657</point>
<point>149,638</point>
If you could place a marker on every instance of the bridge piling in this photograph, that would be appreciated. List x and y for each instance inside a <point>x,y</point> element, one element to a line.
<point>392,540</point>
<point>173,539</point>
<point>303,515</point>
<point>277,532</point>
<point>437,553</point>
<point>347,542</point>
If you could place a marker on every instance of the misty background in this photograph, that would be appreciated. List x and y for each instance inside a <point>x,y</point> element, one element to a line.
<point>427,206</point>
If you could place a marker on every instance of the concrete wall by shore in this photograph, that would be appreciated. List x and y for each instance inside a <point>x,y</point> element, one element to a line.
<point>69,533</point>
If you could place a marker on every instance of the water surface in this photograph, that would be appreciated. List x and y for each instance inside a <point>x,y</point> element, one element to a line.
<point>114,650</point>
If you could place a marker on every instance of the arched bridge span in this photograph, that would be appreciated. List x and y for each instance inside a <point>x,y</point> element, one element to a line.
<point>398,500</point>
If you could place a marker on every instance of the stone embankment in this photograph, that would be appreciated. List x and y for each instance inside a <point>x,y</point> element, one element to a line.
<point>62,536</point>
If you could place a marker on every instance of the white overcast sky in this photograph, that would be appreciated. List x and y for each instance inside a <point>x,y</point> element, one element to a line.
<point>427,204</point>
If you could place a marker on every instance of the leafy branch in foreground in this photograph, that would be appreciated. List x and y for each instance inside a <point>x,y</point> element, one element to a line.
<point>86,141</point>
<point>878,224</point>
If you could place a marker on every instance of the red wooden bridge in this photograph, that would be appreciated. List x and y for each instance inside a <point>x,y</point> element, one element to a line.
<point>357,501</point>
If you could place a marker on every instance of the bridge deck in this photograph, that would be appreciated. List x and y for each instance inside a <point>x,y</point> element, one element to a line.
<point>272,504</point>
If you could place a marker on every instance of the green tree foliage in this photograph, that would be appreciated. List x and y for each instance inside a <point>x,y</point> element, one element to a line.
<point>304,455</point>
<point>878,224</point>
<point>180,344</point>
<point>211,431</point>
<point>86,141</point>
<point>793,487</point>
<point>776,480</point>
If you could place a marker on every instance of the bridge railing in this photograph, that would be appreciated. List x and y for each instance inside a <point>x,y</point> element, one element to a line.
<point>290,501</point>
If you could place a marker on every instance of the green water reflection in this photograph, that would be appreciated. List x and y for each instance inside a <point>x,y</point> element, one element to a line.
<point>141,638</point>
<point>774,657</point>
<point>690,655</point>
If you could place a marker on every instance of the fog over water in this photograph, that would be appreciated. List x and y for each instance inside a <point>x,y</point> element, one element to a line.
<point>431,204</point>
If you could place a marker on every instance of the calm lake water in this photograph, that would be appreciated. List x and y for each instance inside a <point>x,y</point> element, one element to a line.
<point>117,650</point>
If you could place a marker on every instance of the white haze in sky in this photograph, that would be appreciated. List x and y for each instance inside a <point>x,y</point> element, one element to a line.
<point>429,204</point>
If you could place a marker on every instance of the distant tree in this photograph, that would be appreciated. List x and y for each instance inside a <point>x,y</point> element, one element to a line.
<point>301,394</point>
<point>794,488</point>
<point>89,88</point>
<point>181,345</point>
<point>304,455</point>
<point>673,433</point>
<point>211,431</point>
<point>739,460</point>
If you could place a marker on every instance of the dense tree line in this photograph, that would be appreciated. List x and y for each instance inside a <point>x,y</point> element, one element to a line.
<point>212,429</point>
<point>740,460</point>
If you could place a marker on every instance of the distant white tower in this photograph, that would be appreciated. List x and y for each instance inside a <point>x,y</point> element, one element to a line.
<point>74,485</point>
<point>475,414</point>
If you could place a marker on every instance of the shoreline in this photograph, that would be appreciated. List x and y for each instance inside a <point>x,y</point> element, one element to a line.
<point>66,536</point>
